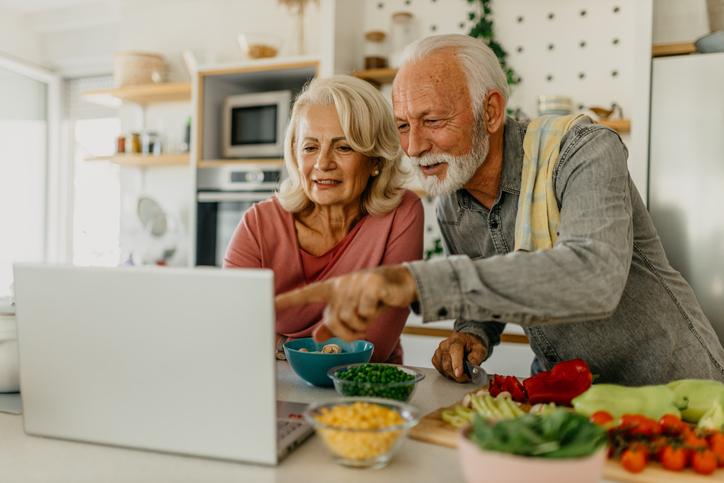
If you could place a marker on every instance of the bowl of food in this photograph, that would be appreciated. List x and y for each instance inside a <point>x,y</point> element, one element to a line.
<point>260,45</point>
<point>362,432</point>
<point>559,446</point>
<point>312,360</point>
<point>387,381</point>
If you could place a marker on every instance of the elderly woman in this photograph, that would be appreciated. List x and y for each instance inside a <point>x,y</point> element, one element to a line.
<point>342,208</point>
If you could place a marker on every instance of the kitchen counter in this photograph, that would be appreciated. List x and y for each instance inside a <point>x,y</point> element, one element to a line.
<point>26,458</point>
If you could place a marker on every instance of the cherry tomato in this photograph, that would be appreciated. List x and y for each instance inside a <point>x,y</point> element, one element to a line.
<point>639,425</point>
<point>704,462</point>
<point>716,444</point>
<point>673,459</point>
<point>634,459</point>
<point>657,446</point>
<point>672,425</point>
<point>695,442</point>
<point>601,418</point>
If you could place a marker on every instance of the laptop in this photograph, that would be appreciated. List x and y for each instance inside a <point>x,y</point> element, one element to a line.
<point>165,359</point>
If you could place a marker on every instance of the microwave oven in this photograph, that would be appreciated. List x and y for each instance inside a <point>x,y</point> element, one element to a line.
<point>254,124</point>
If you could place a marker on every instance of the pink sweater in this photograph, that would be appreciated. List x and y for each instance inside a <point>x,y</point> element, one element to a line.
<point>266,238</point>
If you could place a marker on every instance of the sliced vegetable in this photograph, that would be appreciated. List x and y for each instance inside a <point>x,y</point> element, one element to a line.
<point>561,384</point>
<point>509,384</point>
<point>543,408</point>
<point>484,405</point>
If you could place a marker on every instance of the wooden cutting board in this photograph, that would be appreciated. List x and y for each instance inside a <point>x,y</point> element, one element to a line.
<point>432,429</point>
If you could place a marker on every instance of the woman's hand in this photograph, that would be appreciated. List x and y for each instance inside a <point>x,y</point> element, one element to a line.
<point>354,300</point>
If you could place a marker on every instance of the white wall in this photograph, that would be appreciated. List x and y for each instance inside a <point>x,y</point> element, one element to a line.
<point>17,39</point>
<point>209,28</point>
<point>679,21</point>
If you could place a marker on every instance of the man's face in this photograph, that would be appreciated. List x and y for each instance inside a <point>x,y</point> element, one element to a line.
<point>437,126</point>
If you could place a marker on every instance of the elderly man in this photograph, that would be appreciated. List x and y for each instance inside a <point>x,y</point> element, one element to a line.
<point>603,292</point>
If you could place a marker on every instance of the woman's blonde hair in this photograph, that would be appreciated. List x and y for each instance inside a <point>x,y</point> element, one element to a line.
<point>368,124</point>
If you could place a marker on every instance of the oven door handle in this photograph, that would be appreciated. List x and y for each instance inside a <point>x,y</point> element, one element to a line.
<point>222,196</point>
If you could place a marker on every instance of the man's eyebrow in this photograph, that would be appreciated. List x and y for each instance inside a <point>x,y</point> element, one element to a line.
<point>415,115</point>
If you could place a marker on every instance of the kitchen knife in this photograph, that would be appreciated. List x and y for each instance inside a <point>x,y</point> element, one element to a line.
<point>477,374</point>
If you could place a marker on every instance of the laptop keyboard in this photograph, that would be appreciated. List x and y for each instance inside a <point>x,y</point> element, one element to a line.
<point>285,428</point>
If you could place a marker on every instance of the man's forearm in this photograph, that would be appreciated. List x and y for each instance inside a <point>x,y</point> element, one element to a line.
<point>554,286</point>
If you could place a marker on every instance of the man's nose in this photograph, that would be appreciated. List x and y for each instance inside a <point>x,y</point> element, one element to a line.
<point>417,144</point>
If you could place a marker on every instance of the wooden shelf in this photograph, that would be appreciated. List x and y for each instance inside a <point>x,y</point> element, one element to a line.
<point>437,332</point>
<point>143,160</point>
<point>621,126</point>
<point>218,163</point>
<point>376,76</point>
<point>681,48</point>
<point>143,94</point>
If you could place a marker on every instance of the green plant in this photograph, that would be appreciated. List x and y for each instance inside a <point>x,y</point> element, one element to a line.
<point>483,29</point>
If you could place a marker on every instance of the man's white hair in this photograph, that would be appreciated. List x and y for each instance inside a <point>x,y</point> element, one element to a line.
<point>479,63</point>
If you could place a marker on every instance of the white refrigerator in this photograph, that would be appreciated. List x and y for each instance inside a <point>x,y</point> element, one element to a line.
<point>686,172</point>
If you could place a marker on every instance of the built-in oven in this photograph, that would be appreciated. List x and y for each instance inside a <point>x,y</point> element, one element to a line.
<point>224,193</point>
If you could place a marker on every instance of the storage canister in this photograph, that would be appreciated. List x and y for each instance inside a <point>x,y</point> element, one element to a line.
<point>375,52</point>
<point>402,34</point>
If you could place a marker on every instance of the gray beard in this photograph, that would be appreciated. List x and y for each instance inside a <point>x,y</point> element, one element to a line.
<point>459,168</point>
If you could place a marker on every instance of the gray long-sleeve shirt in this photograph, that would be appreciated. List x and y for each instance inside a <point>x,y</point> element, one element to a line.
<point>605,292</point>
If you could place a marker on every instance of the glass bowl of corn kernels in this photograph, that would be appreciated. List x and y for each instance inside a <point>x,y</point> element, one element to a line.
<point>362,432</point>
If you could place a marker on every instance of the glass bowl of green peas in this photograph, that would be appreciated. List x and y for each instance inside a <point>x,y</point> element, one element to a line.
<point>389,381</point>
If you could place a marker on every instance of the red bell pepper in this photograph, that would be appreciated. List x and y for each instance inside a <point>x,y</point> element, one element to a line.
<point>510,384</point>
<point>561,384</point>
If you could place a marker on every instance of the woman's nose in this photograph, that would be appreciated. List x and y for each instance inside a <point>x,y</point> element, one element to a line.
<point>324,161</point>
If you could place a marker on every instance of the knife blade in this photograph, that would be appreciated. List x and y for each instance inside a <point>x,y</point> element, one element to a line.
<point>477,374</point>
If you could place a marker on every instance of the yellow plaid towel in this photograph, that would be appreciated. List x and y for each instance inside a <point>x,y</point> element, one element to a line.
<point>536,224</point>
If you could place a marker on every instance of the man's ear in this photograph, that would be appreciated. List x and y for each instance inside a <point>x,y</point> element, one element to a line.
<point>494,111</point>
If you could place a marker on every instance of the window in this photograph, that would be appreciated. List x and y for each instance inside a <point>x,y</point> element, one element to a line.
<point>96,185</point>
<point>24,150</point>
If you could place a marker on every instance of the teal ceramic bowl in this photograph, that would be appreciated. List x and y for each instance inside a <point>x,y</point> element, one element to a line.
<point>312,366</point>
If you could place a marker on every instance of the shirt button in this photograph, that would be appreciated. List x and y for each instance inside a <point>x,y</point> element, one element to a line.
<point>442,312</point>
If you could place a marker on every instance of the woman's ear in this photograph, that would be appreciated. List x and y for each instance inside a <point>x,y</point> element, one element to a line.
<point>494,111</point>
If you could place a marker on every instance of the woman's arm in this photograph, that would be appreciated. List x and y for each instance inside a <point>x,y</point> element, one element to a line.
<point>244,250</point>
<point>404,244</point>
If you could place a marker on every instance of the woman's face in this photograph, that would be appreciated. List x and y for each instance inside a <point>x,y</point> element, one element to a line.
<point>332,172</point>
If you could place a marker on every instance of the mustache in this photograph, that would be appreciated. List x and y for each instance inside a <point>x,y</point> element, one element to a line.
<point>431,159</point>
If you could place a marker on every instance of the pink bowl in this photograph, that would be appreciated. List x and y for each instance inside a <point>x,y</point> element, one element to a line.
<point>480,466</point>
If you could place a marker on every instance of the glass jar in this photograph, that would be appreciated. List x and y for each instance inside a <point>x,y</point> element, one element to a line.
<point>402,34</point>
<point>149,143</point>
<point>120,144</point>
<point>375,52</point>
<point>133,143</point>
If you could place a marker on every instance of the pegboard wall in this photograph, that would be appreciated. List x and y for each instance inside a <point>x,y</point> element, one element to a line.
<point>582,49</point>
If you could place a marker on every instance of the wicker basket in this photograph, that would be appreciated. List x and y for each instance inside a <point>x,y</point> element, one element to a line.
<point>136,68</point>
